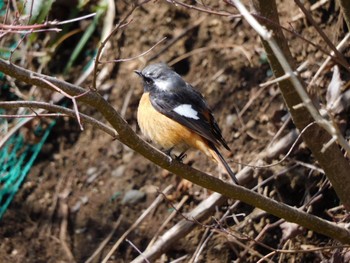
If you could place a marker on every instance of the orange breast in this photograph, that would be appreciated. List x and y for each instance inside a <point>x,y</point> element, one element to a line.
<point>164,131</point>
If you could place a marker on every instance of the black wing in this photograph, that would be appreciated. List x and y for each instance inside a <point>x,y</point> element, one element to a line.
<point>205,125</point>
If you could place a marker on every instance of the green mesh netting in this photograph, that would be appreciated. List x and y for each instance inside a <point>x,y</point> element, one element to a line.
<point>16,159</point>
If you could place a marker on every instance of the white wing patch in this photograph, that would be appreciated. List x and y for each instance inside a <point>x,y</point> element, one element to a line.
<point>186,110</point>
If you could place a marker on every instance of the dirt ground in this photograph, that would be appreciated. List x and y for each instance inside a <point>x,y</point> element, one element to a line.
<point>75,193</point>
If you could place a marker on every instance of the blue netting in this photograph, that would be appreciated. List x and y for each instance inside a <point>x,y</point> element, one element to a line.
<point>16,159</point>
<point>2,8</point>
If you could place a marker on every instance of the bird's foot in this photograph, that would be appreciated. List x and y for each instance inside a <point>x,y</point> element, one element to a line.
<point>181,156</point>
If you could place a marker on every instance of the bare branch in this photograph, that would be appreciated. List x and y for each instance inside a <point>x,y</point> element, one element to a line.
<point>105,241</point>
<point>100,50</point>
<point>323,35</point>
<point>20,116</point>
<point>73,98</point>
<point>73,20</point>
<point>340,47</point>
<point>128,137</point>
<point>155,203</point>
<point>138,56</point>
<point>345,7</point>
<point>60,109</point>
<point>267,36</point>
<point>201,9</point>
<point>302,110</point>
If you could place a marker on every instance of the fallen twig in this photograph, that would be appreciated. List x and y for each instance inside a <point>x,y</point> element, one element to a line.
<point>105,241</point>
<point>155,203</point>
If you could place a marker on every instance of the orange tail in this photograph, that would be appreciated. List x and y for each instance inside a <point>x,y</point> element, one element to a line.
<point>209,149</point>
<point>220,159</point>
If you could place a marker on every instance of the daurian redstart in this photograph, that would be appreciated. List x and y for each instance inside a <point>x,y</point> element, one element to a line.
<point>175,116</point>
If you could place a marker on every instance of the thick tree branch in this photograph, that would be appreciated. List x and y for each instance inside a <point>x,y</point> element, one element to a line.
<point>128,137</point>
<point>331,160</point>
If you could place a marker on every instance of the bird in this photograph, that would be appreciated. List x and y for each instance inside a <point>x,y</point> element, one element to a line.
<point>175,116</point>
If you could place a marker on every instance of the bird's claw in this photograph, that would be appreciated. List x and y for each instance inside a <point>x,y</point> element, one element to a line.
<point>181,157</point>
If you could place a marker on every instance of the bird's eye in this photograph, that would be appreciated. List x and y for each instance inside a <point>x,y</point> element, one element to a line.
<point>148,80</point>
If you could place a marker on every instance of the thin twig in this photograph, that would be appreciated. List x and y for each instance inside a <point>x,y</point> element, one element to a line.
<point>128,137</point>
<point>176,38</point>
<point>26,28</point>
<point>182,228</point>
<point>204,240</point>
<point>56,108</point>
<point>105,241</point>
<point>126,101</point>
<point>207,48</point>
<point>18,43</point>
<point>137,249</point>
<point>108,24</point>
<point>138,56</point>
<point>322,34</point>
<point>250,101</point>
<point>202,9</point>
<point>296,34</point>
<point>30,31</point>
<point>64,225</point>
<point>281,129</point>
<point>72,98</point>
<point>312,8</point>
<point>231,15</point>
<point>276,80</point>
<point>73,20</point>
<point>180,259</point>
<point>310,166</point>
<point>171,216</point>
<point>284,157</point>
<point>18,116</point>
<point>341,46</point>
<point>101,48</point>
<point>307,102</point>
<point>13,130</point>
<point>155,203</point>
<point>7,11</point>
<point>296,251</point>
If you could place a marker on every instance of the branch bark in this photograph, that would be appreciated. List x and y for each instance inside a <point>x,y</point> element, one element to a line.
<point>331,160</point>
<point>345,7</point>
<point>128,137</point>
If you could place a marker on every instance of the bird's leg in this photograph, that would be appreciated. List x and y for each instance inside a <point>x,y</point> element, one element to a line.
<point>181,156</point>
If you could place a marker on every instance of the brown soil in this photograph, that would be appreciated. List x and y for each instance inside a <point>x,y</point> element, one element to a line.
<point>81,178</point>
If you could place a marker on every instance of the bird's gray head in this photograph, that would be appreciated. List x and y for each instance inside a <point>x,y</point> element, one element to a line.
<point>160,77</point>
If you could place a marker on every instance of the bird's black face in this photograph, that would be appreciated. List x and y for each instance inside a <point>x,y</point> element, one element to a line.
<point>159,77</point>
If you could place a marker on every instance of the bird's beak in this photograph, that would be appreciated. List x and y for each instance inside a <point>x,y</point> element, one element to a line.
<point>138,72</point>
